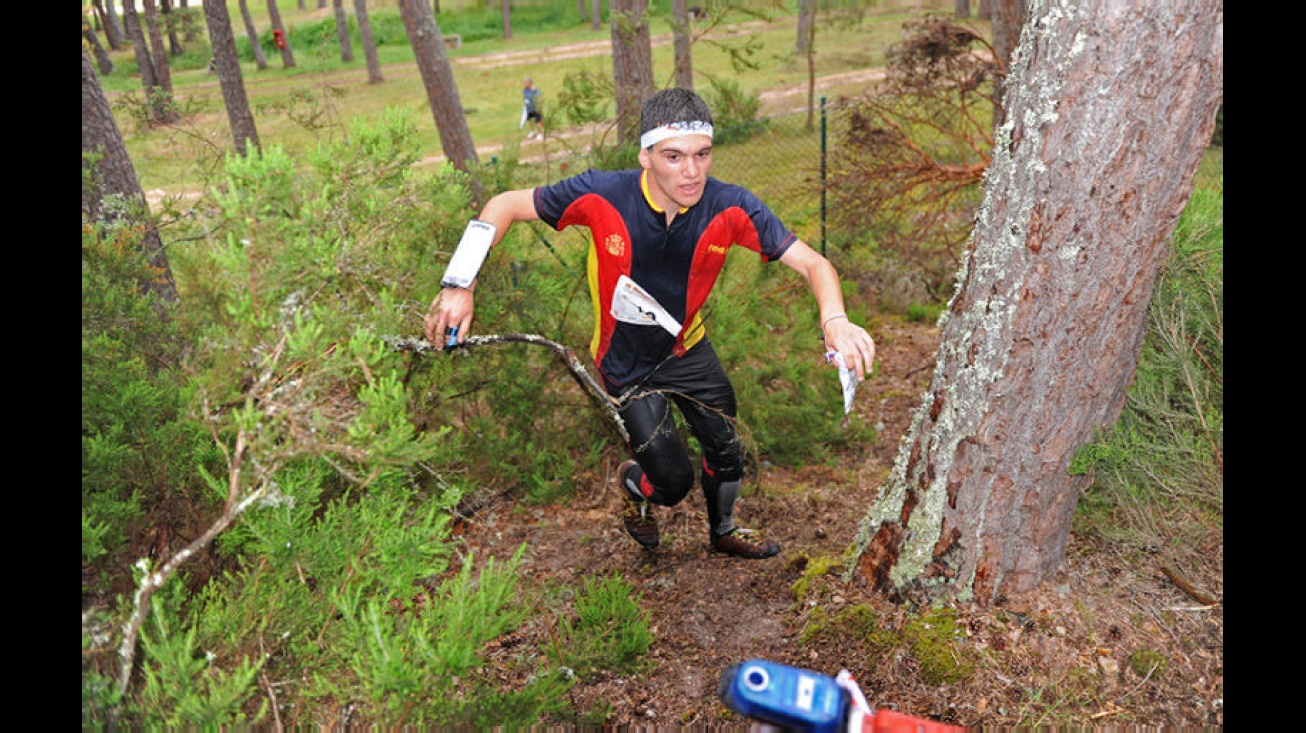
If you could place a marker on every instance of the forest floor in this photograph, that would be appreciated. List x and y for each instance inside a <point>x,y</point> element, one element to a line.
<point>1059,656</point>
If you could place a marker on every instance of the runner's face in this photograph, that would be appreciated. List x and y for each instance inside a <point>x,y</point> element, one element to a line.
<point>678,170</point>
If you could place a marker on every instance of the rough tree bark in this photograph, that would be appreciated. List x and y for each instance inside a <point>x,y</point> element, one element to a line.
<point>632,64</point>
<point>1111,105</point>
<point>441,89</point>
<point>374,75</point>
<point>140,47</point>
<point>260,60</point>
<point>227,64</point>
<point>111,193</point>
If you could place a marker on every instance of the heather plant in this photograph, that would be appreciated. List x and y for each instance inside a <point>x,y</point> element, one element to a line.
<point>289,283</point>
<point>416,662</point>
<point>141,452</point>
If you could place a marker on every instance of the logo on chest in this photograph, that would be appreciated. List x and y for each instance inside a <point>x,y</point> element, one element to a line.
<point>615,245</point>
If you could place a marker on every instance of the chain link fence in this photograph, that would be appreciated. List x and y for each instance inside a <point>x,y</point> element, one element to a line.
<point>783,161</point>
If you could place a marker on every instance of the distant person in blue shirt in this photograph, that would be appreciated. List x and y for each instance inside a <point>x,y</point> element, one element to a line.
<point>659,236</point>
<point>530,110</point>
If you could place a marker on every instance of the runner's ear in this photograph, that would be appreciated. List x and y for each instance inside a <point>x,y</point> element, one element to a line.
<point>645,160</point>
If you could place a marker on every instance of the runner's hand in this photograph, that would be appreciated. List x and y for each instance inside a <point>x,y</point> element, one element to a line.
<point>853,342</point>
<point>450,315</point>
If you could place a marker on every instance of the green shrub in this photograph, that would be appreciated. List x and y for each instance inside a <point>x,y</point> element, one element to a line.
<point>610,631</point>
<point>141,449</point>
<point>285,287</point>
<point>183,685</point>
<point>734,112</point>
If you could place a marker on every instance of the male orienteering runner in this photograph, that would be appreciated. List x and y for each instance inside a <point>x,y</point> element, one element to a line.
<point>658,241</point>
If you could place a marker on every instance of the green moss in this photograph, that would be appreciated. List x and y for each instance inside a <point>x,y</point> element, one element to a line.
<point>815,627</point>
<point>932,639</point>
<point>857,622</point>
<point>816,568</point>
<point>1148,663</point>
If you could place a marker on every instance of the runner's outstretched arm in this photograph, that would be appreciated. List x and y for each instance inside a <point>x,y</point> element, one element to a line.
<point>841,335</point>
<point>452,307</point>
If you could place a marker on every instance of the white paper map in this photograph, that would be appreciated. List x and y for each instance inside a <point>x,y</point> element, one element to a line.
<point>847,380</point>
<point>632,304</point>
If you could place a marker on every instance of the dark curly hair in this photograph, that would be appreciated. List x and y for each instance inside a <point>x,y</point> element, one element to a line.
<point>672,105</point>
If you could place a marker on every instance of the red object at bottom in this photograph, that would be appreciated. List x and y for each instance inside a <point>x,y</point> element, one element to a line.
<point>887,721</point>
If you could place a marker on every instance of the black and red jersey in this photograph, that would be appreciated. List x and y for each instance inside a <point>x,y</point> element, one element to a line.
<point>676,264</point>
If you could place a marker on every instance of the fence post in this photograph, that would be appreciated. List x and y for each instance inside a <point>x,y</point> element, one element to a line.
<point>823,149</point>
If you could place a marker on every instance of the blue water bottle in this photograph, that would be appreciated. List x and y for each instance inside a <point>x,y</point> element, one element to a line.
<point>785,696</point>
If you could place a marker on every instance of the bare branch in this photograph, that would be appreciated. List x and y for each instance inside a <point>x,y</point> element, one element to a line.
<point>568,357</point>
<point>152,581</point>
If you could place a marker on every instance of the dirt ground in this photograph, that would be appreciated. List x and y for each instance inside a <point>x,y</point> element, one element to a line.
<point>1060,656</point>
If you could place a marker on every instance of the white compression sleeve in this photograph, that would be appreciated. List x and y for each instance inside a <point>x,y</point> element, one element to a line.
<point>470,255</point>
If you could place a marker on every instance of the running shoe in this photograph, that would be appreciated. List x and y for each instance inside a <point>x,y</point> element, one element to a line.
<point>638,513</point>
<point>745,543</point>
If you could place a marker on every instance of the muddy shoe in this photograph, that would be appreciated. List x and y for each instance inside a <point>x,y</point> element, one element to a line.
<point>638,513</point>
<point>745,543</point>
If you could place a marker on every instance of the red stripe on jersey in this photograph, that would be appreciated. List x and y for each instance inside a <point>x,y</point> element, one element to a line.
<point>731,227</point>
<point>611,242</point>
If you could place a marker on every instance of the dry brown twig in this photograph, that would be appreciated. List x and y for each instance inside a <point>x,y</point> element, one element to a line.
<point>568,357</point>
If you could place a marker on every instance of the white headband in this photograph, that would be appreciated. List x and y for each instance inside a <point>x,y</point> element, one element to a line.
<point>675,129</point>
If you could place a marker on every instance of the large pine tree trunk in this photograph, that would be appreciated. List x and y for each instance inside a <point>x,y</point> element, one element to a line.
<point>227,64</point>
<point>374,75</point>
<point>1110,106</point>
<point>111,192</point>
<point>441,89</point>
<point>632,64</point>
